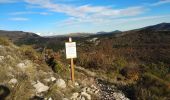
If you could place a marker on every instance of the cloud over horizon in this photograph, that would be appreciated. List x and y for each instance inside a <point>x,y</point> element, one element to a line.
<point>65,15</point>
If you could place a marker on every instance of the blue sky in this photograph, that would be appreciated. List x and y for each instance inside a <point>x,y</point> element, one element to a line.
<point>56,17</point>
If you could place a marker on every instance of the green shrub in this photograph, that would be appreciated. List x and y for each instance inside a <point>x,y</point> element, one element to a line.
<point>58,67</point>
<point>119,64</point>
<point>54,64</point>
<point>160,69</point>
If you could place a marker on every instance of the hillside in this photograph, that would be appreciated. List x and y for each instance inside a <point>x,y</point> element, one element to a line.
<point>135,63</point>
<point>26,75</point>
<point>17,35</point>
<point>138,59</point>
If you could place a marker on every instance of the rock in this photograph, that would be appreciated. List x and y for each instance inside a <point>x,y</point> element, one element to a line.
<point>40,87</point>
<point>1,58</point>
<point>13,81</point>
<point>47,80</point>
<point>84,89</point>
<point>88,89</point>
<point>65,99</point>
<point>86,95</point>
<point>53,79</point>
<point>21,66</point>
<point>76,84</point>
<point>96,91</point>
<point>33,82</point>
<point>50,98</point>
<point>82,98</point>
<point>1,46</point>
<point>74,96</point>
<point>119,96</point>
<point>94,87</point>
<point>24,65</point>
<point>61,83</point>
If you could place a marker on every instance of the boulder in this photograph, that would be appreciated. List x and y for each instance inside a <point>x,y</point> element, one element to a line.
<point>61,83</point>
<point>40,87</point>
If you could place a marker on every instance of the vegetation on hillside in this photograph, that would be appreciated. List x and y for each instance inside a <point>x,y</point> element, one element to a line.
<point>137,61</point>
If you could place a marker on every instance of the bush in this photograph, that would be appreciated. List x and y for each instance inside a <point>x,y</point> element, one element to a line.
<point>29,52</point>
<point>148,87</point>
<point>55,65</point>
<point>4,41</point>
<point>160,69</point>
<point>120,62</point>
<point>130,73</point>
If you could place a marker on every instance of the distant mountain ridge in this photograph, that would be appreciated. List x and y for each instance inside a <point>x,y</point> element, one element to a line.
<point>15,35</point>
<point>141,35</point>
<point>158,27</point>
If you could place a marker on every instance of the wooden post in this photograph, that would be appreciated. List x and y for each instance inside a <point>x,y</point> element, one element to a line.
<point>72,66</point>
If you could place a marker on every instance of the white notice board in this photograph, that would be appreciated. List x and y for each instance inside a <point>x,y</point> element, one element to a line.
<point>71,50</point>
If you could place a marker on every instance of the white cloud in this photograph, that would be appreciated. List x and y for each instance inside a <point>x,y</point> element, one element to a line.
<point>122,20</point>
<point>85,11</point>
<point>98,22</point>
<point>28,12</point>
<point>19,19</point>
<point>161,2</point>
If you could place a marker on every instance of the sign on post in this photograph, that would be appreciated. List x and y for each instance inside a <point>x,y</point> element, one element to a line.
<point>70,54</point>
<point>71,50</point>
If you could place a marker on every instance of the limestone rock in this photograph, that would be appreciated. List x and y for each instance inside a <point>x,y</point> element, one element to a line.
<point>86,95</point>
<point>25,64</point>
<point>74,96</point>
<point>40,87</point>
<point>61,83</point>
<point>76,84</point>
<point>1,58</point>
<point>53,79</point>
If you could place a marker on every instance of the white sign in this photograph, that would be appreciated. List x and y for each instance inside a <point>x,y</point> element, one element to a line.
<point>71,50</point>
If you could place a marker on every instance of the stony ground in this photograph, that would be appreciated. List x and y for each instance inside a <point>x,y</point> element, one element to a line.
<point>99,90</point>
<point>22,79</point>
